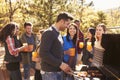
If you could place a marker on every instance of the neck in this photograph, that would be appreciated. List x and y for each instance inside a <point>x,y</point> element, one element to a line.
<point>28,34</point>
<point>99,38</point>
<point>72,37</point>
<point>89,39</point>
<point>57,26</point>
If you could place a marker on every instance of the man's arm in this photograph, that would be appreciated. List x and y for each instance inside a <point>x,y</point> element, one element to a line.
<point>45,46</point>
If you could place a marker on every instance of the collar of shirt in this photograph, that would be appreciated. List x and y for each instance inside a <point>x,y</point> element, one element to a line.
<point>55,28</point>
<point>98,45</point>
<point>59,36</point>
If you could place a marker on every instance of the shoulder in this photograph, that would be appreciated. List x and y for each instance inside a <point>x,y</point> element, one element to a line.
<point>22,35</point>
<point>34,35</point>
<point>66,41</point>
<point>64,37</point>
<point>9,39</point>
<point>48,31</point>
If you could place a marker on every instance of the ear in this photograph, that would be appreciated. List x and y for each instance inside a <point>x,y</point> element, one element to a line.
<point>62,21</point>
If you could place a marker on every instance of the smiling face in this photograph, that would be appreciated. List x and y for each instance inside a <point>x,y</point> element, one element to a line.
<point>64,24</point>
<point>99,31</point>
<point>72,30</point>
<point>89,35</point>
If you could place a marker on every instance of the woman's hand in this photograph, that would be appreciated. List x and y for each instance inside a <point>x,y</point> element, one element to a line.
<point>36,59</point>
<point>67,52</point>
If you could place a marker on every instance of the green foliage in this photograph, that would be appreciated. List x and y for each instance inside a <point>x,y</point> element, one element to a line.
<point>42,13</point>
<point>101,17</point>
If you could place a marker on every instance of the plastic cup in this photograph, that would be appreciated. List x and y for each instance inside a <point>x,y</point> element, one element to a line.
<point>72,51</point>
<point>34,54</point>
<point>24,44</point>
<point>30,47</point>
<point>81,44</point>
<point>25,49</point>
<point>89,46</point>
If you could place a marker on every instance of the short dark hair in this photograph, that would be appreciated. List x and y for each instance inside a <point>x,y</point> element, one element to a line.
<point>27,24</point>
<point>76,21</point>
<point>64,16</point>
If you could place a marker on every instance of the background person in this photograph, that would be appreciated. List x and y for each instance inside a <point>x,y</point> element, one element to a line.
<point>88,54</point>
<point>8,35</point>
<point>31,39</point>
<point>37,59</point>
<point>80,38</point>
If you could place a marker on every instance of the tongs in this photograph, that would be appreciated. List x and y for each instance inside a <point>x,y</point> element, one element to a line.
<point>72,73</point>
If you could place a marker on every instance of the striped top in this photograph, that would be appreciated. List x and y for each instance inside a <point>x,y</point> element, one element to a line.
<point>98,55</point>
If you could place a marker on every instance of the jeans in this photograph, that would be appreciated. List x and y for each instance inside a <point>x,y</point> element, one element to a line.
<point>15,75</point>
<point>51,75</point>
<point>67,76</point>
<point>26,71</point>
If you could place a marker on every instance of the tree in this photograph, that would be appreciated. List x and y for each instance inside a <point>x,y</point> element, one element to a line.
<point>113,17</point>
<point>42,13</point>
<point>45,11</point>
<point>102,17</point>
<point>12,8</point>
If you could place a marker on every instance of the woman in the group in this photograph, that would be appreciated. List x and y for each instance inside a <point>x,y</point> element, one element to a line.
<point>69,44</point>
<point>98,49</point>
<point>88,52</point>
<point>36,58</point>
<point>12,49</point>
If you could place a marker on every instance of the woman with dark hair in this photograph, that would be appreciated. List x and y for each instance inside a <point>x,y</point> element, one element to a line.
<point>12,49</point>
<point>36,58</point>
<point>69,46</point>
<point>88,53</point>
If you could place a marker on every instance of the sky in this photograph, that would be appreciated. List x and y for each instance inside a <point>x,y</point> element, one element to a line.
<point>105,4</point>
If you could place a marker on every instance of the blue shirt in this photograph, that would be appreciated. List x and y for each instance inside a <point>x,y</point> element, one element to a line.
<point>66,46</point>
<point>31,40</point>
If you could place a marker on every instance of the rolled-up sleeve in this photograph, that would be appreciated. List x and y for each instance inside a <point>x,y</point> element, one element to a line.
<point>11,46</point>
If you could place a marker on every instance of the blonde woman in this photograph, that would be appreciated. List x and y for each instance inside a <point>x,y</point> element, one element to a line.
<point>98,49</point>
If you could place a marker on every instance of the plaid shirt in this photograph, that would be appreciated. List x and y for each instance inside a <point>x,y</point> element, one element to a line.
<point>11,46</point>
<point>80,38</point>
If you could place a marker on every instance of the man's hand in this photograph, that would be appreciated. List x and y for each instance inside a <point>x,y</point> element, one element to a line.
<point>65,67</point>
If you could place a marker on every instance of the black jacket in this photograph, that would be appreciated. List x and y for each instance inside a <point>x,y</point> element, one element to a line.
<point>51,51</point>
